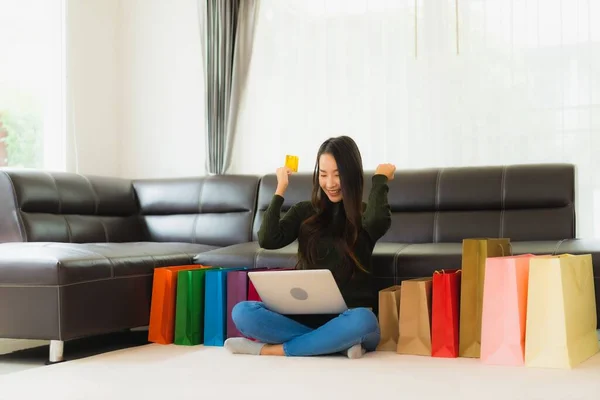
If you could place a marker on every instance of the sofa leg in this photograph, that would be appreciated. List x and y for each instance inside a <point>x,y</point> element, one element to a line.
<point>56,351</point>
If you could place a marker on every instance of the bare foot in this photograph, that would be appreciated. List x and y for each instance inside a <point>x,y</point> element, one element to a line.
<point>272,350</point>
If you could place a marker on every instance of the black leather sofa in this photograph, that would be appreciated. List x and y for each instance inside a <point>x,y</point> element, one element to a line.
<point>78,252</point>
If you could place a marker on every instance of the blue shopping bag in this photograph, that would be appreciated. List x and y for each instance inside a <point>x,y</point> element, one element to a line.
<point>215,306</point>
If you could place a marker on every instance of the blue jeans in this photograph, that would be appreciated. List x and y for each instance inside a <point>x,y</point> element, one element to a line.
<point>354,326</point>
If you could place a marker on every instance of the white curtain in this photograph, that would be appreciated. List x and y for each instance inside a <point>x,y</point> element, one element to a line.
<point>227,35</point>
<point>516,81</point>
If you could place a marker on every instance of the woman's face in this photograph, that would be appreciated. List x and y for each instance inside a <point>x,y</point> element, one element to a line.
<point>329,178</point>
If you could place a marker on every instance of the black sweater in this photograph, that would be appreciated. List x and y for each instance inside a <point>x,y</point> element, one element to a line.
<point>355,285</point>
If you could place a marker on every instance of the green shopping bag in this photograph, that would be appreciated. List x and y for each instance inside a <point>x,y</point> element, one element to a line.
<point>189,309</point>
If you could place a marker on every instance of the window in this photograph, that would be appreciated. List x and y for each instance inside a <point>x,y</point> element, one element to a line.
<point>32,84</point>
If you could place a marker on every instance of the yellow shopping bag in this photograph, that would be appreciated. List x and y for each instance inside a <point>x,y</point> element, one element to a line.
<point>561,311</point>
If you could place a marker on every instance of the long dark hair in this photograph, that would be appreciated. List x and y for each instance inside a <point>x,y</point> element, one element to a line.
<point>349,163</point>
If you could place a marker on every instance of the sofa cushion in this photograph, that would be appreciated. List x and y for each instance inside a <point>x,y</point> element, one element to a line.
<point>420,260</point>
<point>64,263</point>
<point>392,262</point>
<point>251,255</point>
<point>445,205</point>
<point>383,261</point>
<point>237,255</point>
<point>214,210</point>
<point>286,257</point>
<point>41,206</point>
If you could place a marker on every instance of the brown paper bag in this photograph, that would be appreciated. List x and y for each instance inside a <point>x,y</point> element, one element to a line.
<point>389,310</point>
<point>474,254</point>
<point>415,317</point>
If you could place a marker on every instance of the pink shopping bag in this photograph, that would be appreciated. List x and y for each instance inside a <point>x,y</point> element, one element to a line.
<point>504,312</point>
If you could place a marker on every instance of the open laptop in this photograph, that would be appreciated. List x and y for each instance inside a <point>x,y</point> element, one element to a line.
<point>299,291</point>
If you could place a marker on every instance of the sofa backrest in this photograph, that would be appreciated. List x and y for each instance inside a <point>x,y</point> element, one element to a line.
<point>520,202</point>
<point>213,210</point>
<point>39,206</point>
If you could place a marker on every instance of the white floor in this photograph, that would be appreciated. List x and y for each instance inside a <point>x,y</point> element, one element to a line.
<point>177,372</point>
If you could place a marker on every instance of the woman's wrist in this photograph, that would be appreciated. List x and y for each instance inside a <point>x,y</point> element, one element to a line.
<point>280,191</point>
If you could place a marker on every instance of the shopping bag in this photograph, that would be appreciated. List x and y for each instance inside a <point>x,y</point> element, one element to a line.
<point>445,313</point>
<point>162,306</point>
<point>252,293</point>
<point>189,310</point>
<point>215,306</point>
<point>561,312</point>
<point>237,292</point>
<point>505,310</point>
<point>474,255</point>
<point>388,315</point>
<point>415,317</point>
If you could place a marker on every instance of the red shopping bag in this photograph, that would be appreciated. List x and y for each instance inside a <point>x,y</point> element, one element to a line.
<point>445,313</point>
<point>252,293</point>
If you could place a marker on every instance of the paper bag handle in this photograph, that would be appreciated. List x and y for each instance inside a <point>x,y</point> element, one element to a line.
<point>502,249</point>
<point>443,271</point>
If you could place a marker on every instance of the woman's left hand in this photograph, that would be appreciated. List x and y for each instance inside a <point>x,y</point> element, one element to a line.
<point>387,170</point>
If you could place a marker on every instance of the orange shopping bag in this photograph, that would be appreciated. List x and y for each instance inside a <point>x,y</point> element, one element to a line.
<point>162,308</point>
<point>504,312</point>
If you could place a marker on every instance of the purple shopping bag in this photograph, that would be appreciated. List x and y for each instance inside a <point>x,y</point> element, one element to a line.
<point>237,291</point>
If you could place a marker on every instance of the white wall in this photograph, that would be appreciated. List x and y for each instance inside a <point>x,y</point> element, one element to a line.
<point>93,30</point>
<point>163,131</point>
<point>524,88</point>
<point>135,104</point>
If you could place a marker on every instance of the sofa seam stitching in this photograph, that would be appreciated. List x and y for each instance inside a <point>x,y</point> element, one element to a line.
<point>396,256</point>
<point>254,211</point>
<point>557,247</point>
<point>59,313</point>
<point>260,250</point>
<point>57,192</point>
<point>437,205</point>
<point>96,200</point>
<point>97,207</point>
<point>60,211</point>
<point>195,224</point>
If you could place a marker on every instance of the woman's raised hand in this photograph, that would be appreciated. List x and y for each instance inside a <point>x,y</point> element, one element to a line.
<point>282,180</point>
<point>387,170</point>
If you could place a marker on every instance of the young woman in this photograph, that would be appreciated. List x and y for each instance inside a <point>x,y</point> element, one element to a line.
<point>335,231</point>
